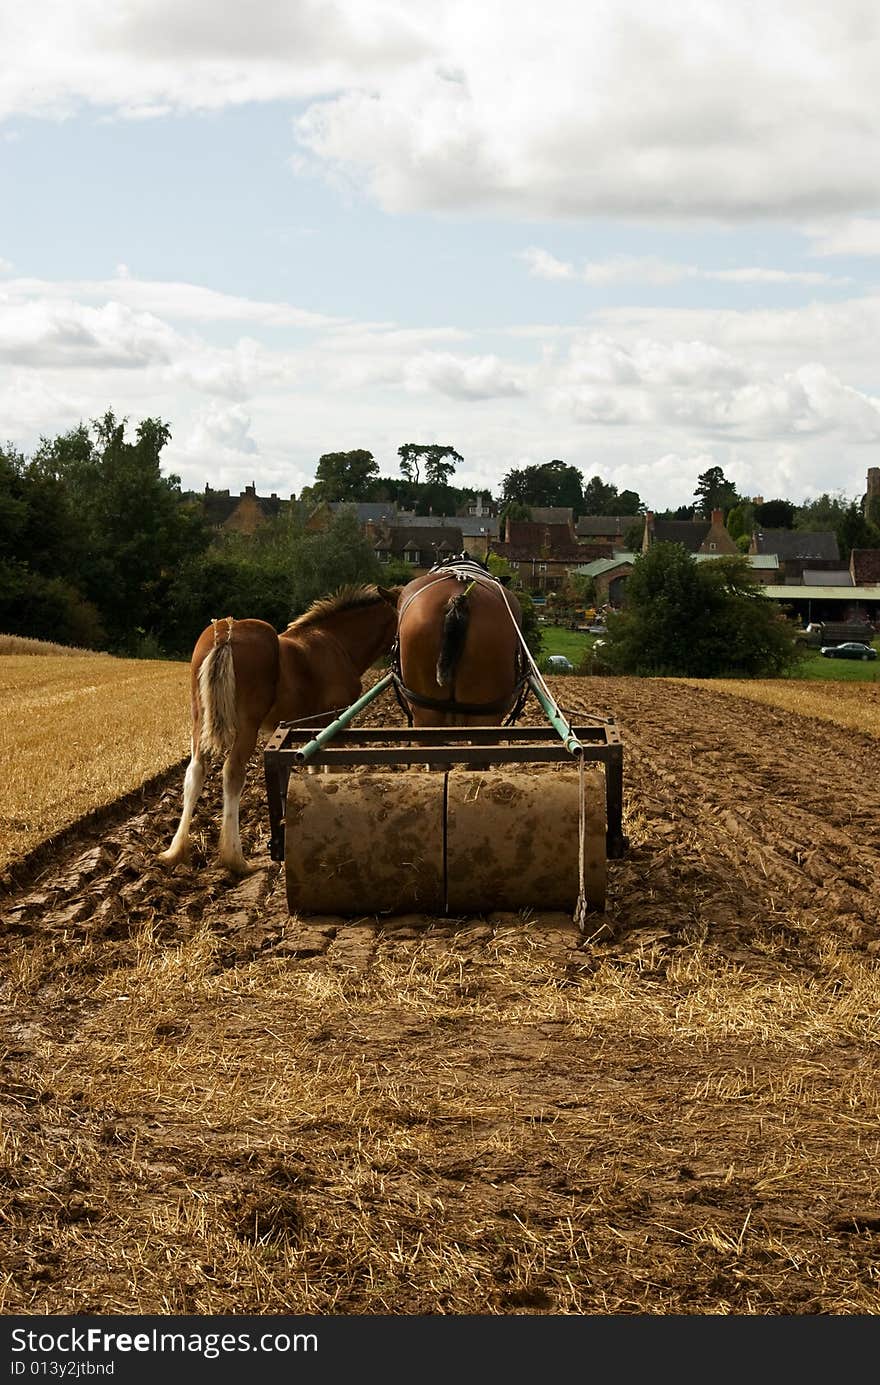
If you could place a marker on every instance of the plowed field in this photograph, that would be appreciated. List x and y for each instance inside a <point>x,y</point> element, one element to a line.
<point>212,1107</point>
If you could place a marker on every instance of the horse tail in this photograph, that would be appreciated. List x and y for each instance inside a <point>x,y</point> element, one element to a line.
<point>455,627</point>
<point>217,696</point>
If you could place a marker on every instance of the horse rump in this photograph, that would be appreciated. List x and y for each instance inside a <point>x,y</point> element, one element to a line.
<point>455,627</point>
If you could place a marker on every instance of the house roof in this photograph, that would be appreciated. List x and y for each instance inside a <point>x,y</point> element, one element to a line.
<point>599,565</point>
<point>763,562</point>
<point>865,563</point>
<point>218,507</point>
<point>365,510</point>
<point>792,592</point>
<point>759,561</point>
<point>690,533</point>
<point>588,525</point>
<point>420,538</point>
<point>551,514</point>
<point>470,525</point>
<point>543,542</point>
<point>797,543</point>
<point>834,577</point>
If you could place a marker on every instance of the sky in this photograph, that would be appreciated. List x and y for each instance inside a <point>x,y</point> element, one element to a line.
<point>643,240</point>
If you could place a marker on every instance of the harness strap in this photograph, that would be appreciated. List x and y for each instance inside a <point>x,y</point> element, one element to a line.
<point>473,709</point>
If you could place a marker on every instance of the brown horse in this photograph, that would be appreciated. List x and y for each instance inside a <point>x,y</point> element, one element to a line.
<point>460,659</point>
<point>246,678</point>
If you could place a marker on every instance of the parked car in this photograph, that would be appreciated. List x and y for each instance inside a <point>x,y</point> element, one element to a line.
<point>596,628</point>
<point>558,663</point>
<point>851,650</point>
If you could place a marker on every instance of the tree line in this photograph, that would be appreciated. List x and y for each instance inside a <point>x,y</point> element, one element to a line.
<point>99,548</point>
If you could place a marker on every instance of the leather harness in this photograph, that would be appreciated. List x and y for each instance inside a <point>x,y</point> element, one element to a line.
<point>463,570</point>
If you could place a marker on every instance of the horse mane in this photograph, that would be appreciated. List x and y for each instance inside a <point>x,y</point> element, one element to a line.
<point>344,599</point>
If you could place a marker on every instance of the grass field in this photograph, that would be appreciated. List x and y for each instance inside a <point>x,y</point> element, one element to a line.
<point>78,732</point>
<point>815,666</point>
<point>558,639</point>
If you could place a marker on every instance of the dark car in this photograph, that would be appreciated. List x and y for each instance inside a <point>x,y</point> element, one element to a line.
<point>851,650</point>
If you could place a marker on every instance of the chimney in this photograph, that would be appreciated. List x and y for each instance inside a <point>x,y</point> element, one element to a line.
<point>717,516</point>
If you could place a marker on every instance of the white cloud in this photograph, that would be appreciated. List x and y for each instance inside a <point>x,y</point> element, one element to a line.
<point>146,57</point>
<point>218,440</point>
<point>662,384</point>
<point>858,236</point>
<point>630,269</point>
<point>559,110</point>
<point>61,332</point>
<point>464,377</point>
<point>177,301</point>
<point>569,110</point>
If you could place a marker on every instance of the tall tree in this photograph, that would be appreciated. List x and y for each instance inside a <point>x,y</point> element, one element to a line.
<point>598,496</point>
<point>139,530</point>
<point>550,484</point>
<point>344,475</point>
<point>774,514</point>
<point>440,461</point>
<point>713,491</point>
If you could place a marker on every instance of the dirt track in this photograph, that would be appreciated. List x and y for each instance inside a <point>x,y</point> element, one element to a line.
<point>215,1108</point>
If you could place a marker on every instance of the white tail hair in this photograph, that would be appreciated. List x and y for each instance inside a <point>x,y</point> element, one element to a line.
<point>217,697</point>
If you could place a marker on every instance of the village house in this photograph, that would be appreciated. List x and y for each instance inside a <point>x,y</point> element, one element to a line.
<point>707,536</point>
<point>420,545</point>
<point>542,556</point>
<point>799,550</point>
<point>242,513</point>
<point>609,531</point>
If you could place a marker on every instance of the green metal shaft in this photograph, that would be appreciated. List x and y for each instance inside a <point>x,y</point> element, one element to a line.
<point>329,732</point>
<point>557,720</point>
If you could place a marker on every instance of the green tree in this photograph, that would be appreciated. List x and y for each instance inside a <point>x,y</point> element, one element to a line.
<point>439,460</point>
<point>714,492</point>
<point>842,516</point>
<point>629,503</point>
<point>514,509</point>
<point>603,498</point>
<point>344,475</point>
<point>634,537</point>
<point>856,531</point>
<point>823,513</point>
<point>696,620</point>
<point>740,521</point>
<point>97,515</point>
<point>550,484</point>
<point>774,514</point>
<point>598,496</point>
<point>139,530</point>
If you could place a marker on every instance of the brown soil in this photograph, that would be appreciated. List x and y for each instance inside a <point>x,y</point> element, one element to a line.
<point>212,1107</point>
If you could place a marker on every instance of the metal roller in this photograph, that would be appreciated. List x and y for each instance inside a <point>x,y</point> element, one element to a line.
<point>364,843</point>
<point>512,839</point>
<point>455,842</point>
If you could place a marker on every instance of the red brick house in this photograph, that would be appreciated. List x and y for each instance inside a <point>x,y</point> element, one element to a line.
<point>541,556</point>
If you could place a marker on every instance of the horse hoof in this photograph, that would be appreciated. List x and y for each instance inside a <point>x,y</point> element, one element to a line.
<point>173,858</point>
<point>240,869</point>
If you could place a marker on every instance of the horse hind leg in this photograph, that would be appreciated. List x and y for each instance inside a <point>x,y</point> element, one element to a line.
<point>231,855</point>
<point>179,852</point>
